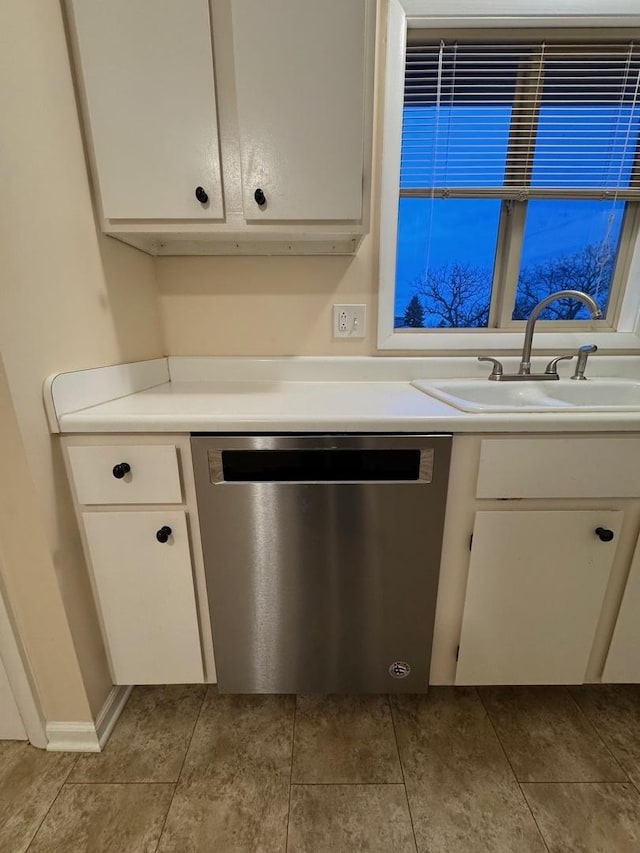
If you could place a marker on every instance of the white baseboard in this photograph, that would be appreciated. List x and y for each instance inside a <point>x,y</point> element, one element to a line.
<point>72,737</point>
<point>88,737</point>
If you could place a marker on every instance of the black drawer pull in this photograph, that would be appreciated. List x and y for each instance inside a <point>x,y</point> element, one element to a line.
<point>604,534</point>
<point>121,469</point>
<point>163,534</point>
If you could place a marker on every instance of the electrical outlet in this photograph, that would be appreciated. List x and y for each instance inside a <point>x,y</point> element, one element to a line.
<point>349,321</point>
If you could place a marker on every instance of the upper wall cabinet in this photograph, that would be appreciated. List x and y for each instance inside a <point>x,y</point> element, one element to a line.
<point>299,84</point>
<point>266,151</point>
<point>147,70</point>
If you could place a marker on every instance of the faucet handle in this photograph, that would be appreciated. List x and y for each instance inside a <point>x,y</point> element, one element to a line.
<point>497,369</point>
<point>552,368</point>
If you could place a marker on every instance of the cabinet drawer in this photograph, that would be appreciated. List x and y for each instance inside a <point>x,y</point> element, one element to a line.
<point>153,476</point>
<point>146,596</point>
<point>559,468</point>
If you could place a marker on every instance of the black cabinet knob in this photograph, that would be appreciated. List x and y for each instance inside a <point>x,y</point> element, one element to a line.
<point>604,534</point>
<point>121,469</point>
<point>201,195</point>
<point>260,197</point>
<point>163,534</point>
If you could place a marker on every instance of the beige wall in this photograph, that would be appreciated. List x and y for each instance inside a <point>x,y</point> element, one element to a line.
<point>264,306</point>
<point>68,299</point>
<point>29,579</point>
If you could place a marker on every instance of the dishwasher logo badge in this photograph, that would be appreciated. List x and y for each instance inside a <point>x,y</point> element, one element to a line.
<point>399,669</point>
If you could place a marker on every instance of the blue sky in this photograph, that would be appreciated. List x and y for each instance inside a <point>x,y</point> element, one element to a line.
<point>445,231</point>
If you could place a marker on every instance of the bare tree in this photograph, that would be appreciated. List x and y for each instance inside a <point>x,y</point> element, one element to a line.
<point>590,271</point>
<point>455,296</point>
<point>458,295</point>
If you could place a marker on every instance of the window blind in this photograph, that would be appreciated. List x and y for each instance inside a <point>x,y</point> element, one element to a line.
<point>521,120</point>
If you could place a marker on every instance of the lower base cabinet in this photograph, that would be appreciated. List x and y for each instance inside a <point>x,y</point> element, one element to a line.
<point>144,588</point>
<point>623,661</point>
<point>534,595</point>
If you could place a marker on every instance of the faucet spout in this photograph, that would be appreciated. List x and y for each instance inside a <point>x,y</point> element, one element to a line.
<point>592,305</point>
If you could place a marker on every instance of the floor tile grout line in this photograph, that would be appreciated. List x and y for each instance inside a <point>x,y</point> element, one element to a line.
<point>166,815</point>
<point>53,802</point>
<point>597,732</point>
<point>186,752</point>
<point>193,731</point>
<point>73,766</point>
<point>111,782</point>
<point>404,781</point>
<point>361,784</point>
<point>293,746</point>
<point>355,784</point>
<point>517,781</point>
<point>580,782</point>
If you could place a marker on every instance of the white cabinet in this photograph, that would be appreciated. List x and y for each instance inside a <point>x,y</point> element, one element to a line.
<point>623,660</point>
<point>536,597</point>
<point>149,589</point>
<point>287,112</point>
<point>534,594</point>
<point>147,74</point>
<point>145,593</point>
<point>300,80</point>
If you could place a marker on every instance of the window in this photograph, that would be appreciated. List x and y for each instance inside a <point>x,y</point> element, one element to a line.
<point>519,175</point>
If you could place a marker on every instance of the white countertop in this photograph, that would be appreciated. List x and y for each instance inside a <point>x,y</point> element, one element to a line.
<point>197,399</point>
<point>268,405</point>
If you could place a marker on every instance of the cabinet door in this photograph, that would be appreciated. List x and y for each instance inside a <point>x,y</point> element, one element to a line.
<point>534,594</point>
<point>145,596</point>
<point>146,67</point>
<point>300,76</point>
<point>623,661</point>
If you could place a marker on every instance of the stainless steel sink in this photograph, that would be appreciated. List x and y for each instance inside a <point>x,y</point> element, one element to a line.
<point>603,394</point>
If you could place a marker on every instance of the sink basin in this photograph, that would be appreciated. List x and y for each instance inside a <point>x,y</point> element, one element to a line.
<point>481,395</point>
<point>597,393</point>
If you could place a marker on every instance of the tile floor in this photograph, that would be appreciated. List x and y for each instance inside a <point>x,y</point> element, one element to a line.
<point>495,770</point>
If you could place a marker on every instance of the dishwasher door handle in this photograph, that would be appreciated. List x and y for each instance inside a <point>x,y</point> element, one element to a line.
<point>322,466</point>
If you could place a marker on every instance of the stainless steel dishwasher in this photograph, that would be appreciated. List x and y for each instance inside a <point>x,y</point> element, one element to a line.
<point>322,555</point>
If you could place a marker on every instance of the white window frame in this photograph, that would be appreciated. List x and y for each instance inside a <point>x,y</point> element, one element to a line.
<point>464,14</point>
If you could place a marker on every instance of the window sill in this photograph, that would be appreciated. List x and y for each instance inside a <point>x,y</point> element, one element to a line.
<point>497,341</point>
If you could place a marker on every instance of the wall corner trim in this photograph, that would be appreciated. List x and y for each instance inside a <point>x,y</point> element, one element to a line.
<point>88,737</point>
<point>110,712</point>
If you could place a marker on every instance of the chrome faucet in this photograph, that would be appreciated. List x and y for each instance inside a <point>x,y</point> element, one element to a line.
<point>592,305</point>
<point>551,370</point>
